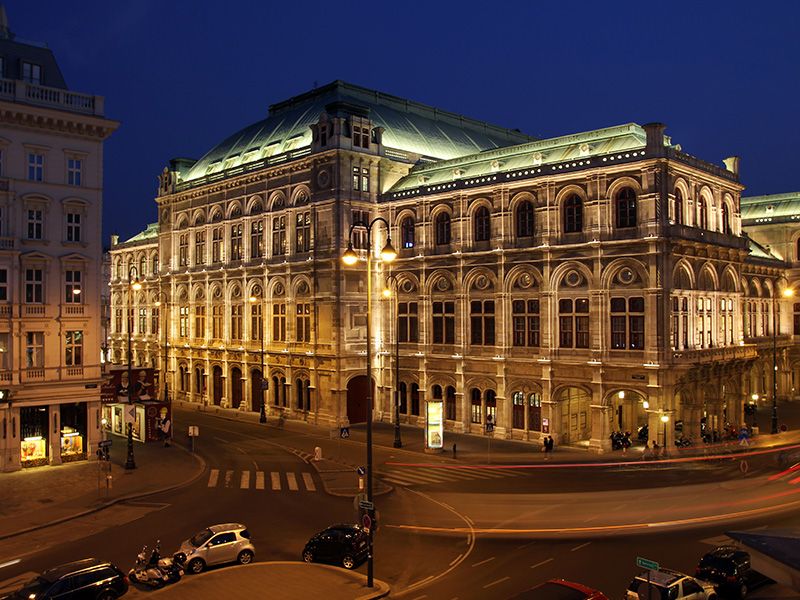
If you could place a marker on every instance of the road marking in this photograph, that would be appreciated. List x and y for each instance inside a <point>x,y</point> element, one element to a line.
<point>276,480</point>
<point>259,480</point>
<point>219,439</point>
<point>526,545</point>
<point>420,597</point>
<point>488,585</point>
<point>483,562</point>
<point>292,481</point>
<point>228,478</point>
<point>620,507</point>
<point>9,563</point>
<point>581,546</point>
<point>245,483</point>
<point>212,479</point>
<point>539,564</point>
<point>456,559</point>
<point>309,481</point>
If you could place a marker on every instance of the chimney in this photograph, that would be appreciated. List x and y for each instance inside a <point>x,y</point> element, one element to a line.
<point>114,240</point>
<point>732,164</point>
<point>655,137</point>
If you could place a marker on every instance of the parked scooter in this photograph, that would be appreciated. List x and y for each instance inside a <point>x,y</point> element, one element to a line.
<point>683,442</point>
<point>154,570</point>
<point>643,433</point>
<point>620,440</point>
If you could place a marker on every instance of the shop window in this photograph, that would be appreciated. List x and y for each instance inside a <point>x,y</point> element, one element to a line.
<point>73,431</point>
<point>34,429</point>
<point>475,415</point>
<point>407,322</point>
<point>482,322</point>
<point>525,323</point>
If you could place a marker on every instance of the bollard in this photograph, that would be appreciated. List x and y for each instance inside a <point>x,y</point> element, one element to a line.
<point>317,453</point>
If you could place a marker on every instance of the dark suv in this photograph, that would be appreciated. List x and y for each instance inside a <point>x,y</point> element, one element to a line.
<point>728,568</point>
<point>90,578</point>
<point>346,545</point>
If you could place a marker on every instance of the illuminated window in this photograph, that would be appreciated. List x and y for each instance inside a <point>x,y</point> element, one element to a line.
<point>74,348</point>
<point>302,231</point>
<point>407,232</point>
<point>359,234</point>
<point>72,287</point>
<point>360,179</point>
<point>34,349</point>
<point>183,321</point>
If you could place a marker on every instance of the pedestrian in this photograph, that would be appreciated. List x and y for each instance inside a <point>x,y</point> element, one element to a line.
<point>550,444</point>
<point>165,428</point>
<point>546,448</point>
<point>655,449</point>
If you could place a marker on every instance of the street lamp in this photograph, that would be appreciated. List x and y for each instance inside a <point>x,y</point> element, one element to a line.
<point>387,292</point>
<point>135,286</point>
<point>262,418</point>
<point>388,254</point>
<point>787,293</point>
<point>665,420</point>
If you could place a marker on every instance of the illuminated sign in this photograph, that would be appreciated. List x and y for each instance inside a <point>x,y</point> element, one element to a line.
<point>434,428</point>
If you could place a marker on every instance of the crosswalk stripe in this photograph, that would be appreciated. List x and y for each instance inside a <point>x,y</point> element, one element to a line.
<point>309,481</point>
<point>398,481</point>
<point>228,478</point>
<point>245,483</point>
<point>259,480</point>
<point>213,478</point>
<point>292,481</point>
<point>276,480</point>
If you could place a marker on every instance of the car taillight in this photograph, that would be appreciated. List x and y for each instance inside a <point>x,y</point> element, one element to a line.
<point>731,579</point>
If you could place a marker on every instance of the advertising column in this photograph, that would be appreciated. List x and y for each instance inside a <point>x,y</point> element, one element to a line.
<point>434,426</point>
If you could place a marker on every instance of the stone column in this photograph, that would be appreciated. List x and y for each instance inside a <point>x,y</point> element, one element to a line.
<point>600,441</point>
<point>54,436</point>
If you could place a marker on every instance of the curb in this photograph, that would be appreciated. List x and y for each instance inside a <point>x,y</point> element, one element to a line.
<point>110,503</point>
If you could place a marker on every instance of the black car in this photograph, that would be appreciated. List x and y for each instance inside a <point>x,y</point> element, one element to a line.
<point>90,578</point>
<point>728,568</point>
<point>346,545</point>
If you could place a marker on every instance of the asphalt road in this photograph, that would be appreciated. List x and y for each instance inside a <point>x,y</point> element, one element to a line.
<point>418,566</point>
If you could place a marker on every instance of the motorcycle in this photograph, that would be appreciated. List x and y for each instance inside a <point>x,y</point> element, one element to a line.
<point>620,441</point>
<point>155,571</point>
<point>643,434</point>
<point>683,442</point>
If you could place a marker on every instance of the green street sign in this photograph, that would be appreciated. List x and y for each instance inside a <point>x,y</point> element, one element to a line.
<point>647,564</point>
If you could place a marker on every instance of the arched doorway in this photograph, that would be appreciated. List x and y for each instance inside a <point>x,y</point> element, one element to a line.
<point>236,387</point>
<point>628,412</point>
<point>216,376</point>
<point>256,393</point>
<point>575,415</point>
<point>357,399</point>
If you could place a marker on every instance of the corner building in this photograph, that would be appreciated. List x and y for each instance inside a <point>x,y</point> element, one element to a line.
<point>51,192</point>
<point>571,286</point>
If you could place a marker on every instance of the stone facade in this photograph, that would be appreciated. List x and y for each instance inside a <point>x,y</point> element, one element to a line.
<point>571,286</point>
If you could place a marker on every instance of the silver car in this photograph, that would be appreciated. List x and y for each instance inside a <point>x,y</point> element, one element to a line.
<point>217,545</point>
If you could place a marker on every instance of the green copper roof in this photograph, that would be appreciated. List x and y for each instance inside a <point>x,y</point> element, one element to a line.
<point>774,208</point>
<point>407,125</point>
<point>150,232</point>
<point>579,147</point>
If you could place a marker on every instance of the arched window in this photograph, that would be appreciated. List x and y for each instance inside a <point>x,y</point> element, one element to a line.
<point>573,215</point>
<point>442,229</point>
<point>450,403</point>
<point>407,233</point>
<point>798,249</point>
<point>678,206</point>
<point>702,213</point>
<point>726,219</point>
<point>475,406</point>
<point>491,406</point>
<point>437,392</point>
<point>626,208</point>
<point>524,219</point>
<point>482,224</point>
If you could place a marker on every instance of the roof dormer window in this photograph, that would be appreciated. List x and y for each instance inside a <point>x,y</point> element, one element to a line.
<point>31,73</point>
<point>360,136</point>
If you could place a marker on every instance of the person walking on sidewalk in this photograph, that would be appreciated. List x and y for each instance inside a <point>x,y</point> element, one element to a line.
<point>165,427</point>
<point>550,444</point>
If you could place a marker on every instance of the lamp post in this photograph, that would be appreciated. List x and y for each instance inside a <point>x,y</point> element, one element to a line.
<point>388,254</point>
<point>262,417</point>
<point>665,420</point>
<point>135,286</point>
<point>387,292</point>
<point>787,293</point>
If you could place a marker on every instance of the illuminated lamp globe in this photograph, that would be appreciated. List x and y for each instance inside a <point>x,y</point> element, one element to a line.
<point>136,285</point>
<point>788,293</point>
<point>645,404</point>
<point>349,257</point>
<point>664,418</point>
<point>388,254</point>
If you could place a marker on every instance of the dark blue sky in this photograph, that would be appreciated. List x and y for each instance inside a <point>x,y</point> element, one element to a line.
<point>181,76</point>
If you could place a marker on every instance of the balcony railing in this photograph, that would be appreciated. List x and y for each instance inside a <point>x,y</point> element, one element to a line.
<point>74,371</point>
<point>34,309</point>
<point>40,95</point>
<point>34,374</point>
<point>74,310</point>
<point>710,237</point>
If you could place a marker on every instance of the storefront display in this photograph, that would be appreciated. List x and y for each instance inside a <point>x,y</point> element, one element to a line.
<point>71,445</point>
<point>73,431</point>
<point>33,430</point>
<point>434,425</point>
<point>34,451</point>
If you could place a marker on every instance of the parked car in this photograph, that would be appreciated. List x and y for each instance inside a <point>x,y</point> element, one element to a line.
<point>666,584</point>
<point>216,545</point>
<point>728,568</point>
<point>559,589</point>
<point>346,545</point>
<point>90,579</point>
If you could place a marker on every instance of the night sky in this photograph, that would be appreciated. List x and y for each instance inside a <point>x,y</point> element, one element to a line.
<point>181,76</point>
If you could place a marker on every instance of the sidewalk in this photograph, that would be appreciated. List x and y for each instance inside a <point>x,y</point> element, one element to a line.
<point>284,580</point>
<point>32,499</point>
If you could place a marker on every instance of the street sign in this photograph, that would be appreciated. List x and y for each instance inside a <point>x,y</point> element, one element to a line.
<point>194,431</point>
<point>647,564</point>
<point>104,444</point>
<point>344,432</point>
<point>359,498</point>
<point>366,521</point>
<point>366,505</point>
<point>361,471</point>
